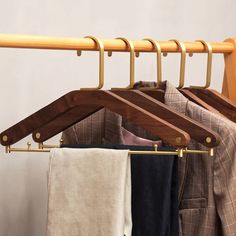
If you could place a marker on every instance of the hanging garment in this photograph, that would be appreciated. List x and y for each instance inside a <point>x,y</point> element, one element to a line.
<point>105,127</point>
<point>154,184</point>
<point>89,193</point>
<point>206,184</point>
<point>131,139</point>
<point>207,197</point>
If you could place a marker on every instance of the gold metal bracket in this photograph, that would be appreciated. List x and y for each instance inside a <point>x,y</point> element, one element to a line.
<point>165,54</point>
<point>190,54</point>
<point>180,152</point>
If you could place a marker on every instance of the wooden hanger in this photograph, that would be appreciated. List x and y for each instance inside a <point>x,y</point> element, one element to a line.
<point>192,97</point>
<point>72,115</point>
<point>209,98</point>
<point>87,102</point>
<point>216,100</point>
<point>196,130</point>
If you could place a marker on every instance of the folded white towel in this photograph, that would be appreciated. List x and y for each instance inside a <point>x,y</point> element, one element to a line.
<point>89,192</point>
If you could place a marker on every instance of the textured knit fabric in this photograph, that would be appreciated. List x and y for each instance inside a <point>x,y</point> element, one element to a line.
<point>154,184</point>
<point>89,193</point>
<point>208,195</point>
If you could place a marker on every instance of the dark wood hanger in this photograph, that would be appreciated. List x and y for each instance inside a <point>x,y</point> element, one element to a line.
<point>151,89</point>
<point>216,101</point>
<point>71,117</point>
<point>194,98</point>
<point>197,131</point>
<point>178,121</point>
<point>85,103</point>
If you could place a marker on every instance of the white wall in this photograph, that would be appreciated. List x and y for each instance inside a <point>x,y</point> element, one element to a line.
<point>32,78</point>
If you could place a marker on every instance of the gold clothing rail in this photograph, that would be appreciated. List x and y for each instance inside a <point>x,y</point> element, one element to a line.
<point>178,152</point>
<point>43,42</point>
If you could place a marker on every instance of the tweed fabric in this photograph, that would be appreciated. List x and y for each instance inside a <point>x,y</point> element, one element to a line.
<point>208,196</point>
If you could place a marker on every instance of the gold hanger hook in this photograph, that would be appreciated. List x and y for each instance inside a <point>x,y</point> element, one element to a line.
<point>182,47</point>
<point>101,62</point>
<point>132,63</point>
<point>157,48</point>
<point>209,65</point>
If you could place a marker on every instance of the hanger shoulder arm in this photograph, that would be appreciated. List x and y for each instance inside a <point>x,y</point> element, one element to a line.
<point>95,100</point>
<point>41,117</point>
<point>194,98</point>
<point>121,106</point>
<point>217,101</point>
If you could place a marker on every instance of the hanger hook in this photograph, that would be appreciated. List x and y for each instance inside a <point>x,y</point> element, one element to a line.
<point>157,48</point>
<point>209,65</point>
<point>132,62</point>
<point>182,47</point>
<point>101,62</point>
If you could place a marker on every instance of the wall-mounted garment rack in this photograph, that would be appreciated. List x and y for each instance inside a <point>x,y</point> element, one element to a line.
<point>38,42</point>
<point>228,47</point>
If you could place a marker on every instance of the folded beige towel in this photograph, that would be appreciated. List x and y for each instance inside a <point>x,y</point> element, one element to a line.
<point>89,192</point>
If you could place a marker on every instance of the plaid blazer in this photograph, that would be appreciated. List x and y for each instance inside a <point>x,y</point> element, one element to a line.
<point>208,192</point>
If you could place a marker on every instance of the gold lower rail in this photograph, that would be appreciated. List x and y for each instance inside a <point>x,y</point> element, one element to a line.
<point>179,152</point>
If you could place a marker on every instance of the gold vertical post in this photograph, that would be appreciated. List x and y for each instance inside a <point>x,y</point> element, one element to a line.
<point>209,65</point>
<point>132,64</point>
<point>157,48</point>
<point>101,62</point>
<point>182,62</point>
